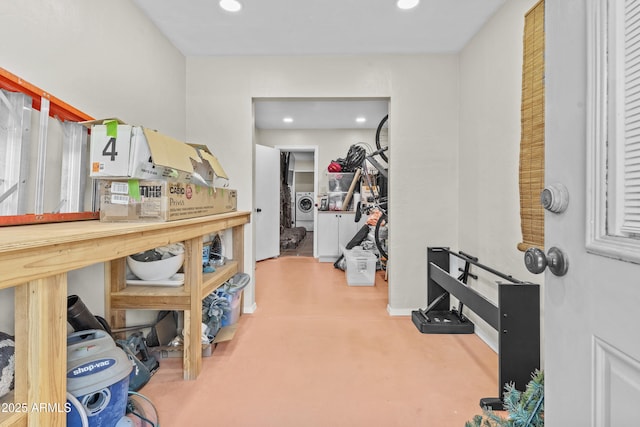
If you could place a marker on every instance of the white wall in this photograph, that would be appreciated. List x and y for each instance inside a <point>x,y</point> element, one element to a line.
<point>104,58</point>
<point>331,143</point>
<point>490,94</point>
<point>423,90</point>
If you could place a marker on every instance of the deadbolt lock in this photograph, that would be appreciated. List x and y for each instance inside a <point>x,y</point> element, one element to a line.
<point>555,198</point>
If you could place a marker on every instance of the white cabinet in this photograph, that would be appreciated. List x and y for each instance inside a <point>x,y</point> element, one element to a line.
<point>334,230</point>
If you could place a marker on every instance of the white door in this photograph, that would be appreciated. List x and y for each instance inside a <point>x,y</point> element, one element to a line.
<point>591,341</point>
<point>267,206</point>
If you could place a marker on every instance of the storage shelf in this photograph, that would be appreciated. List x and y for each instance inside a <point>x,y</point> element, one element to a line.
<point>149,297</point>
<point>187,297</point>
<point>212,281</point>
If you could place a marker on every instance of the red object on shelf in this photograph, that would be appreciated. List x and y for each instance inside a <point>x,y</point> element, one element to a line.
<point>334,167</point>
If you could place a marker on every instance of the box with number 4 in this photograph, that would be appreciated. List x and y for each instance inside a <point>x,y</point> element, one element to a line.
<point>119,150</point>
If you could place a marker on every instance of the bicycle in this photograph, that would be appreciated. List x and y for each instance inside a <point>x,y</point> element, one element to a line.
<point>382,136</point>
<point>380,204</point>
<point>378,201</point>
<point>357,161</point>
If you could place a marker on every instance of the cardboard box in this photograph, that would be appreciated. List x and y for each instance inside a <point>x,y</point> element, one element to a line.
<point>225,334</point>
<point>119,150</point>
<point>159,200</point>
<point>366,193</point>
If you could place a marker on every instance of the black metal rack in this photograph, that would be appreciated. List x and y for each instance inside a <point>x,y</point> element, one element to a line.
<point>516,317</point>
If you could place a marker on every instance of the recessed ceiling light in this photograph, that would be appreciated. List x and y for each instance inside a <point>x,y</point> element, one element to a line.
<point>407,4</point>
<point>361,119</point>
<point>230,5</point>
<point>288,120</point>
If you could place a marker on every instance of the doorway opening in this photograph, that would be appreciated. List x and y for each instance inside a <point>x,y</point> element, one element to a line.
<point>299,187</point>
<point>310,133</point>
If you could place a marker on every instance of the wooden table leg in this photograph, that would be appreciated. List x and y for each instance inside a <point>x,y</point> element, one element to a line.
<point>192,358</point>
<point>115,281</point>
<point>41,349</point>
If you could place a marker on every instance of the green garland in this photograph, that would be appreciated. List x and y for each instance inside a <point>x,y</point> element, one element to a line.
<point>524,409</point>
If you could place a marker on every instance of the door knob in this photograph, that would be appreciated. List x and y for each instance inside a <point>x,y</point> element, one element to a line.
<point>536,261</point>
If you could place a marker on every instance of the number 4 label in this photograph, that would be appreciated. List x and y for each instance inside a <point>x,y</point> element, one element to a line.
<point>110,149</point>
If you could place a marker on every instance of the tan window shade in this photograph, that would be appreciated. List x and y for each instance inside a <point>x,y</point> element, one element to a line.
<point>532,133</point>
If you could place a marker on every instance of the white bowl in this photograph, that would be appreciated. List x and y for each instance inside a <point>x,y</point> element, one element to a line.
<point>156,270</point>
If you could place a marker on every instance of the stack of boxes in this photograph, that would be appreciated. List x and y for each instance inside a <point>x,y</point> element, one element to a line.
<point>146,176</point>
<point>338,184</point>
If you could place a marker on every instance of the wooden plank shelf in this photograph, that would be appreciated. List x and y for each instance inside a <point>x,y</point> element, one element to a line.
<point>150,297</point>
<point>126,300</point>
<point>212,281</point>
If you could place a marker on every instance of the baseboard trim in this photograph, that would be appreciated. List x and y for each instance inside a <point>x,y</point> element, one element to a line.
<point>251,309</point>
<point>487,339</point>
<point>399,311</point>
<point>479,332</point>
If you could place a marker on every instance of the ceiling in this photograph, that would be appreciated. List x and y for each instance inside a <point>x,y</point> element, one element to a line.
<point>320,114</point>
<point>318,27</point>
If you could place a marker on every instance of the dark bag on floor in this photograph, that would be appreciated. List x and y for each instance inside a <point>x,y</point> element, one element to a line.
<point>144,365</point>
<point>164,330</point>
<point>360,236</point>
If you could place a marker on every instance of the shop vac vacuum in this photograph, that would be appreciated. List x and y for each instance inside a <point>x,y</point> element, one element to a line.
<point>102,373</point>
<point>97,378</point>
<point>135,347</point>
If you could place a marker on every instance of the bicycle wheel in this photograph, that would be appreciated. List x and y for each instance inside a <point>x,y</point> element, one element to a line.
<point>382,136</point>
<point>380,235</point>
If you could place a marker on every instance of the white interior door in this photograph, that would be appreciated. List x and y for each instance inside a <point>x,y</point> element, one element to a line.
<point>591,345</point>
<point>267,206</point>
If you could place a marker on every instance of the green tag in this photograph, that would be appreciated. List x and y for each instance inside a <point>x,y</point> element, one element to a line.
<point>112,128</point>
<point>134,189</point>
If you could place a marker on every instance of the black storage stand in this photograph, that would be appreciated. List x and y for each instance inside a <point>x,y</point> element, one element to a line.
<point>516,317</point>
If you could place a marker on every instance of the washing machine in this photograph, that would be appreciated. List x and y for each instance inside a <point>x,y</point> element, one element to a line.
<point>305,201</point>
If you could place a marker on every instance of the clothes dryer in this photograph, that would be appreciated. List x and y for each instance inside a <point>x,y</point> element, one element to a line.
<point>305,202</point>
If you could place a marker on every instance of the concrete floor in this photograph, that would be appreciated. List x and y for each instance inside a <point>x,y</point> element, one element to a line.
<point>319,353</point>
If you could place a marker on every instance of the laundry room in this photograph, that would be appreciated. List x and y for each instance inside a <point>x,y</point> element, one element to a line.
<point>302,186</point>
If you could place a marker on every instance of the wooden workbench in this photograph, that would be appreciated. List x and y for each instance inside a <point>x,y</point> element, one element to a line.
<point>35,259</point>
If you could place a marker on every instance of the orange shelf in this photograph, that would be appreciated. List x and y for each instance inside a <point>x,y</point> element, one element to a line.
<point>58,108</point>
